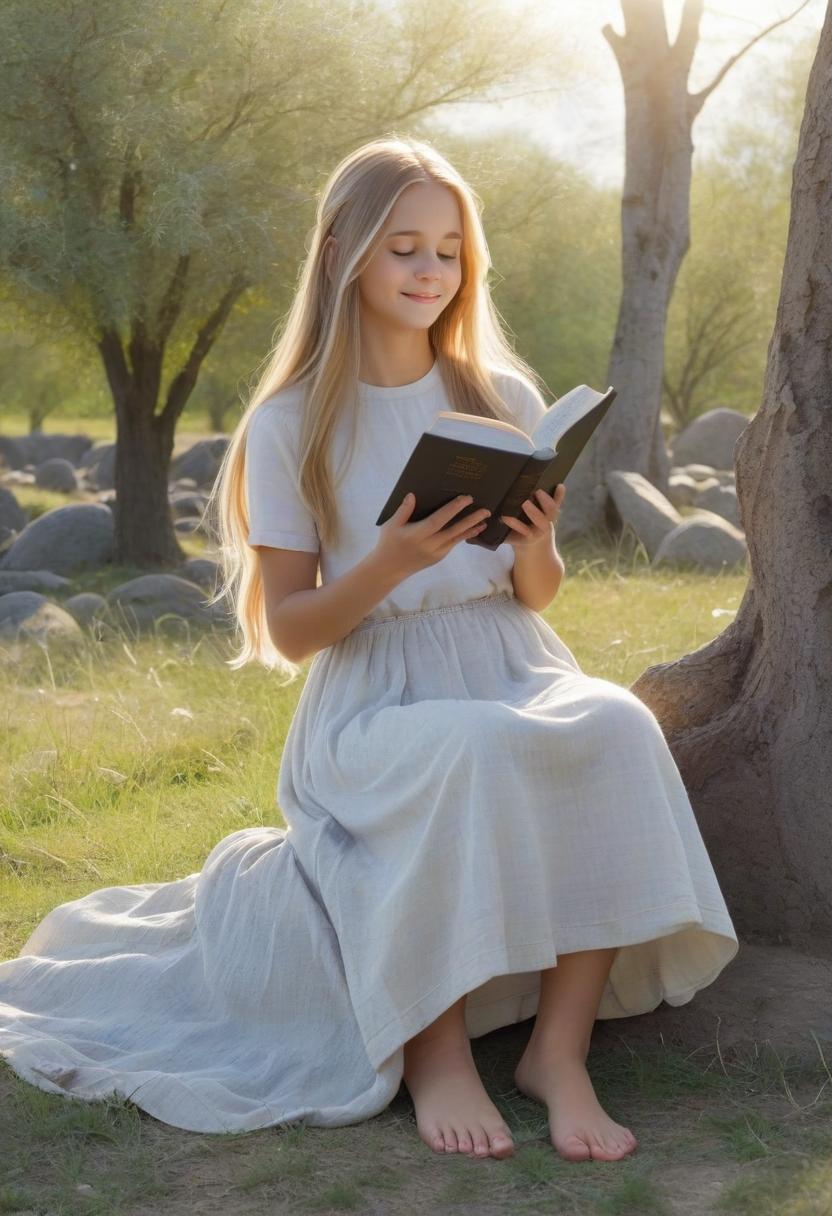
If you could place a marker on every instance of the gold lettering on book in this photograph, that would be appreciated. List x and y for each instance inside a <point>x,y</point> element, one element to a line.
<point>467,468</point>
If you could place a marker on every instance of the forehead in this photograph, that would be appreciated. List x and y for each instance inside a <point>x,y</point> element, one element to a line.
<point>425,208</point>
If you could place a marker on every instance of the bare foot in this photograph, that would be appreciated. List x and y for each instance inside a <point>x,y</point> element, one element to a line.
<point>580,1128</point>
<point>453,1111</point>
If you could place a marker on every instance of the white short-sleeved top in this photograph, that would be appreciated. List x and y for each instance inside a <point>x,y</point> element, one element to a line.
<point>389,424</point>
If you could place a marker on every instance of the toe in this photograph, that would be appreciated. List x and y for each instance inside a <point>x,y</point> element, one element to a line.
<point>501,1143</point>
<point>437,1141</point>
<point>575,1149</point>
<point>480,1144</point>
<point>451,1145</point>
<point>464,1141</point>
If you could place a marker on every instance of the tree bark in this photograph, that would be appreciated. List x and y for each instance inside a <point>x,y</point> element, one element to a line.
<point>655,235</point>
<point>144,531</point>
<point>748,717</point>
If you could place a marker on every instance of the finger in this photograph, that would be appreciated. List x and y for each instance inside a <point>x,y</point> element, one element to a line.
<point>515,523</point>
<point>533,510</point>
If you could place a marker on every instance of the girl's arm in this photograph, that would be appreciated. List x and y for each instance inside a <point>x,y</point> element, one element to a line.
<point>537,573</point>
<point>304,618</point>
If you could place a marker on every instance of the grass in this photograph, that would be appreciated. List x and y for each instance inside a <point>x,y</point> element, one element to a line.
<point>127,760</point>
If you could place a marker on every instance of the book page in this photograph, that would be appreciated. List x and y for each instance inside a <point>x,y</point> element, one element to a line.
<point>487,432</point>
<point>564,413</point>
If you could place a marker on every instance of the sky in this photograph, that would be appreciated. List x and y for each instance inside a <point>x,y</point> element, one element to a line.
<point>584,122</point>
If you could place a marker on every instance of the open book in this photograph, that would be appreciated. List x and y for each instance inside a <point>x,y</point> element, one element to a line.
<point>496,462</point>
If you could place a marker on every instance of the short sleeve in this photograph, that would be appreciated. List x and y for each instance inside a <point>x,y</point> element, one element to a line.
<point>523,398</point>
<point>277,514</point>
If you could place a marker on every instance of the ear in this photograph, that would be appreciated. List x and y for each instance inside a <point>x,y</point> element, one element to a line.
<point>330,252</point>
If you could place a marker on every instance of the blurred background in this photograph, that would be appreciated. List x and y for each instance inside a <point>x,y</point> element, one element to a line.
<point>233,118</point>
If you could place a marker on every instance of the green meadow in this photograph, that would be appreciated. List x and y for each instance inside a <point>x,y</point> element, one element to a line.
<point>126,760</point>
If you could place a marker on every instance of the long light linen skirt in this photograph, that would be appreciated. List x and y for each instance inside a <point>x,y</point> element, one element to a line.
<point>464,805</point>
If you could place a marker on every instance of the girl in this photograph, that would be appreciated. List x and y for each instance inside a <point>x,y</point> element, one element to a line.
<point>478,832</point>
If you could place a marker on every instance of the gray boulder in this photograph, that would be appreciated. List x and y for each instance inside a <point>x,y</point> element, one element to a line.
<point>143,602</point>
<point>722,500</point>
<point>84,607</point>
<point>201,461</point>
<point>38,447</point>
<point>704,540</point>
<point>26,615</point>
<point>189,523</point>
<point>681,490</point>
<point>17,477</point>
<point>710,439</point>
<point>31,580</point>
<point>100,467</point>
<point>64,540</point>
<point>184,503</point>
<point>56,473</point>
<point>12,454</point>
<point>643,507</point>
<point>202,571</point>
<point>12,516</point>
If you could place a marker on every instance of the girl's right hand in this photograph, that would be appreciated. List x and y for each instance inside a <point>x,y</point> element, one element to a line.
<point>406,548</point>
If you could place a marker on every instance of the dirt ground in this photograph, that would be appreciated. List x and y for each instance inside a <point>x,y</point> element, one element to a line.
<point>713,1138</point>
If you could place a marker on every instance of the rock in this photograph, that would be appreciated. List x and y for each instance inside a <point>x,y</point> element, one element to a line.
<point>707,483</point>
<point>37,447</point>
<point>102,472</point>
<point>185,503</point>
<point>84,606</point>
<point>722,500</point>
<point>17,477</point>
<point>56,474</point>
<point>710,439</point>
<point>12,516</point>
<point>11,452</point>
<point>188,524</point>
<point>202,571</point>
<point>143,601</point>
<point>704,540</point>
<point>681,490</point>
<point>31,580</point>
<point>26,615</point>
<point>201,461</point>
<point>643,507</point>
<point>64,540</point>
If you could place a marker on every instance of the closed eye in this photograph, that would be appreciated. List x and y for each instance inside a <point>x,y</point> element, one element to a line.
<point>448,257</point>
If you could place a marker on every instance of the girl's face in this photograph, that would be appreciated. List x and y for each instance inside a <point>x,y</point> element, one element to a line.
<point>419,255</point>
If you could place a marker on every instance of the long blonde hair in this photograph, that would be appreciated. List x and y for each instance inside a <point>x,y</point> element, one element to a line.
<point>320,345</point>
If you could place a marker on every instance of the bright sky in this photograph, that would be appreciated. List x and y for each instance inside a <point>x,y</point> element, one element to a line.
<point>584,121</point>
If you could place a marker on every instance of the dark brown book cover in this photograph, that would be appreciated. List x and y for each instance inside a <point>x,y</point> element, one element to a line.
<point>440,468</point>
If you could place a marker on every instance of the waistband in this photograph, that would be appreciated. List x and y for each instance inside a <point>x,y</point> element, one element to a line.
<point>484,601</point>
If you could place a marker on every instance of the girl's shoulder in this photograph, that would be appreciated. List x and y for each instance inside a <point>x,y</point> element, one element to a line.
<point>520,395</point>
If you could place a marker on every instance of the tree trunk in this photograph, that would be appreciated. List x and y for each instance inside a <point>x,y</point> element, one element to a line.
<point>655,234</point>
<point>748,717</point>
<point>144,532</point>
<point>655,238</point>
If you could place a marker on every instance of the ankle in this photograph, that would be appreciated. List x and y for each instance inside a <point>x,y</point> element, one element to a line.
<point>555,1049</point>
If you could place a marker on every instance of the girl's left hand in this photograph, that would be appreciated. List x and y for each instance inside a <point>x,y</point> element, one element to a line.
<point>544,514</point>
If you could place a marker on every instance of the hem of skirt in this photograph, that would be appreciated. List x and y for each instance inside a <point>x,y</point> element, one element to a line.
<point>536,955</point>
<point>180,1106</point>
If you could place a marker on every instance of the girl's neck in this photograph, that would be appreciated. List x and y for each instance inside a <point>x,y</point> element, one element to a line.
<point>388,368</point>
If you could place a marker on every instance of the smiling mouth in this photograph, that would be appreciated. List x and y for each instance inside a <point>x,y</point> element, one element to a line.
<point>412,295</point>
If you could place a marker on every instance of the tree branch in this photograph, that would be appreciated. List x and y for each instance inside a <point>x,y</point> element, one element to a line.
<point>183,383</point>
<point>697,100</point>
<point>171,305</point>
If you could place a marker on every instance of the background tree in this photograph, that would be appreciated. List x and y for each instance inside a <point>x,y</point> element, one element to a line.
<point>151,162</point>
<point>747,715</point>
<point>659,116</point>
<point>725,298</point>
